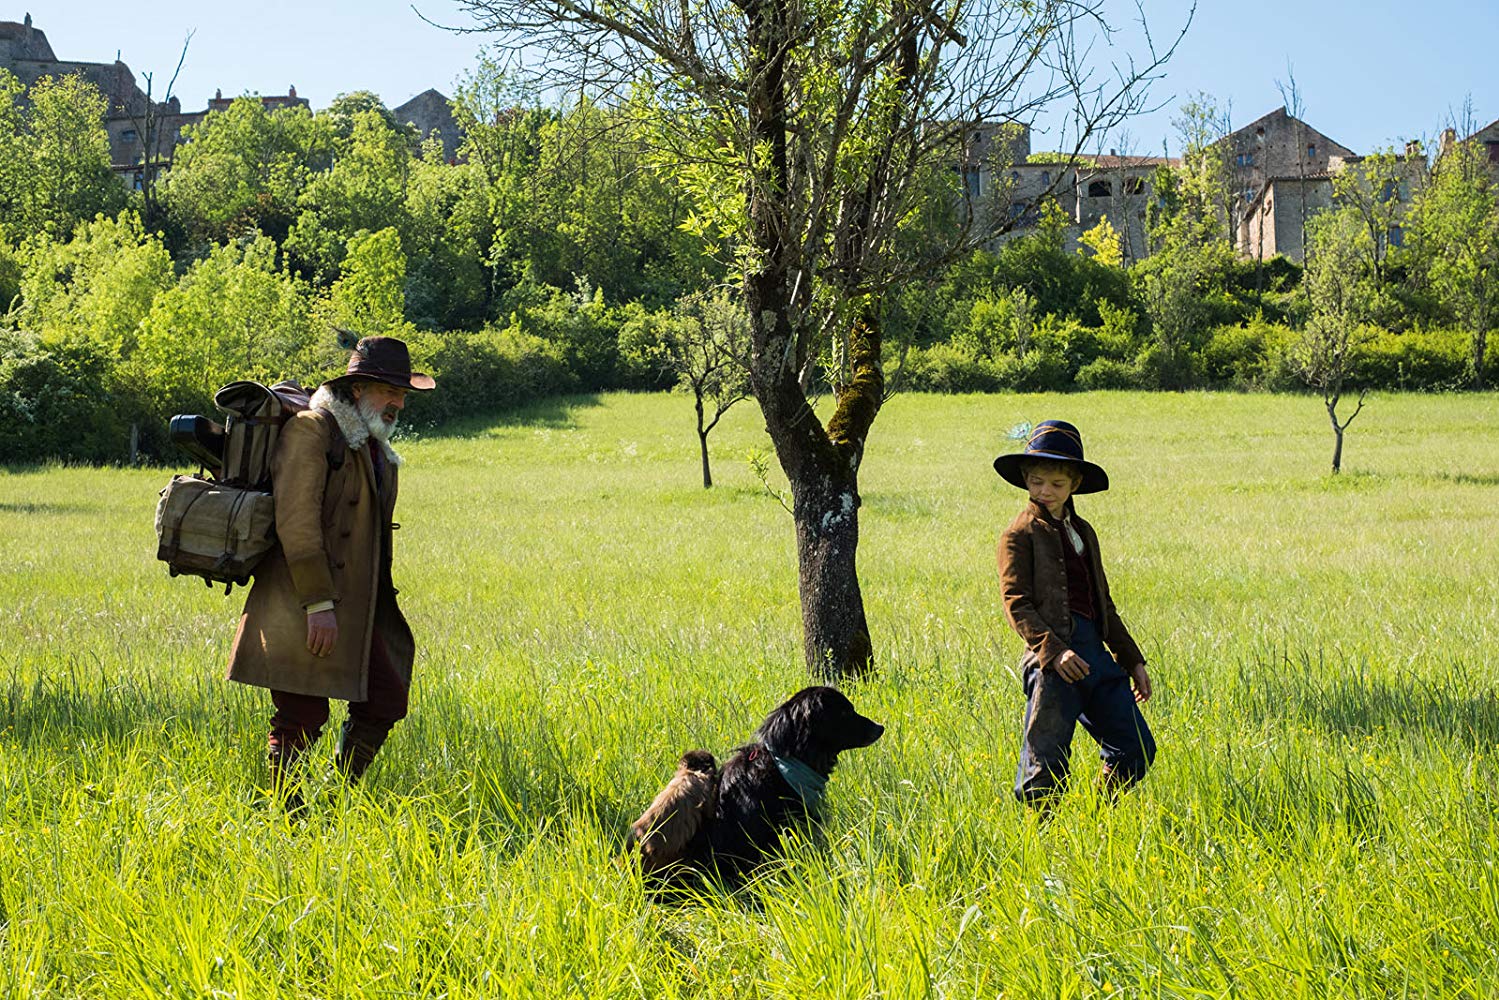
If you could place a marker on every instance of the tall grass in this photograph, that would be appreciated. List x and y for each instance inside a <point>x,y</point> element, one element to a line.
<point>1322,821</point>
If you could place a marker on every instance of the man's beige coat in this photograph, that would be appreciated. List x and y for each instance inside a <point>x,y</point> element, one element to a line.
<point>334,544</point>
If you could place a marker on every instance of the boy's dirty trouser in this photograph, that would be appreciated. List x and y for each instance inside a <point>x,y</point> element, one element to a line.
<point>1103,702</point>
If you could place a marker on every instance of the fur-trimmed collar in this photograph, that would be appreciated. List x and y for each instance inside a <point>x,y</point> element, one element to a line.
<point>356,431</point>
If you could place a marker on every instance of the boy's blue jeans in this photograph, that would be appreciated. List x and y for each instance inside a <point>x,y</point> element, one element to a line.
<point>1103,702</point>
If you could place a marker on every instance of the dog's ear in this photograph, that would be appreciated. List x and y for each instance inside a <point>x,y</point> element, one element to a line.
<point>789,729</point>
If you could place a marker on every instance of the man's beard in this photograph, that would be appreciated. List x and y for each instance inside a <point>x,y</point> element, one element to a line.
<point>373,419</point>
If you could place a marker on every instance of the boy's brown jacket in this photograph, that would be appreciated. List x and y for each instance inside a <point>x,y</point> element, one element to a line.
<point>1033,582</point>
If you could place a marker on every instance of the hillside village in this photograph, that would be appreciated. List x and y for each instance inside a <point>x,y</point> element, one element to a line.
<point>1281,167</point>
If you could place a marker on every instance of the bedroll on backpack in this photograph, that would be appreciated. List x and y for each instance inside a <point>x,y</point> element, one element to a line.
<point>219,524</point>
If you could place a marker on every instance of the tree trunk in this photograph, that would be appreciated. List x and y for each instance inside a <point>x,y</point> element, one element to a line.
<point>1337,436</point>
<point>821,464</point>
<point>835,631</point>
<point>1480,347</point>
<point>702,440</point>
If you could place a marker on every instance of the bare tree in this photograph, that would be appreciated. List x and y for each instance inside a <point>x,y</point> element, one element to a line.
<point>813,130</point>
<point>1290,95</point>
<point>150,122</point>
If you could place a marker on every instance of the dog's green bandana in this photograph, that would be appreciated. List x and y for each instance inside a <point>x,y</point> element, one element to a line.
<point>807,783</point>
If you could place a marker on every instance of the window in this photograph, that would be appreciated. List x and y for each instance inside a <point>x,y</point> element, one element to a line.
<point>1134,185</point>
<point>1311,150</point>
<point>1014,177</point>
<point>1245,160</point>
<point>1100,189</point>
<point>973,182</point>
<point>128,135</point>
<point>1396,236</point>
<point>1046,174</point>
<point>139,181</point>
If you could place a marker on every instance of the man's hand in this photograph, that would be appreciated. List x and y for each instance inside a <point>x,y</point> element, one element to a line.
<point>322,632</point>
<point>1070,667</point>
<point>1140,677</point>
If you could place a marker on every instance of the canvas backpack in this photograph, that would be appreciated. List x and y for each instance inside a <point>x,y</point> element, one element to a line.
<point>220,523</point>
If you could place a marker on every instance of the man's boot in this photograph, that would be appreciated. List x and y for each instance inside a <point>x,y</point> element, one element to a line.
<point>358,742</point>
<point>286,788</point>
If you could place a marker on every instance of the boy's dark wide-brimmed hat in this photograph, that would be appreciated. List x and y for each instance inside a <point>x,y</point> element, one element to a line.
<point>383,359</point>
<point>1054,441</point>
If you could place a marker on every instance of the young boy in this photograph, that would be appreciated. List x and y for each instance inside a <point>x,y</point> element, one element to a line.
<point>1057,598</point>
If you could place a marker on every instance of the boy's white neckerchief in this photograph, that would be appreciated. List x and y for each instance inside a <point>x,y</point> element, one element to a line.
<point>1072,535</point>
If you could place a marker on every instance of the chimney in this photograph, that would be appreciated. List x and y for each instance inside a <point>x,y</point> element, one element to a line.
<point>291,91</point>
<point>1412,149</point>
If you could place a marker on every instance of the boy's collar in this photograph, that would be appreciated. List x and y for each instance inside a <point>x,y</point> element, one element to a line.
<point>1040,508</point>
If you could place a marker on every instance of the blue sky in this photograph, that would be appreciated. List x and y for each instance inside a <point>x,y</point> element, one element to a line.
<point>1371,74</point>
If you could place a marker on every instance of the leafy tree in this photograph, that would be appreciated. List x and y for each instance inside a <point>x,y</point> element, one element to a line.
<point>447,280</point>
<point>243,169</point>
<point>342,115</point>
<point>1340,284</point>
<point>54,157</point>
<point>234,315</point>
<point>1190,256</point>
<point>57,401</point>
<point>702,345</point>
<point>1102,241</point>
<point>364,190</point>
<point>1377,190</point>
<point>370,297</point>
<point>808,134</point>
<point>1456,220</point>
<point>98,287</point>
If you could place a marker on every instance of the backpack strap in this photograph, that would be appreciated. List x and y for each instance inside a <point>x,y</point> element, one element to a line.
<point>338,445</point>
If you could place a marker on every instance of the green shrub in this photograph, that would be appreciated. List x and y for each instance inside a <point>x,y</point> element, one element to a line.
<point>947,368</point>
<point>1037,371</point>
<point>1416,359</point>
<point>1107,373</point>
<point>488,370</point>
<point>54,402</point>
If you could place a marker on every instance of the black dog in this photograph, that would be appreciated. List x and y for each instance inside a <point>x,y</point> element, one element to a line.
<point>763,789</point>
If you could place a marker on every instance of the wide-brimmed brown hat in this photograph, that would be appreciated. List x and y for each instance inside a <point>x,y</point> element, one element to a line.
<point>383,359</point>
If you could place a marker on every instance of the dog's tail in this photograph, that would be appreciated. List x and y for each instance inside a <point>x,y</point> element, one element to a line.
<point>668,827</point>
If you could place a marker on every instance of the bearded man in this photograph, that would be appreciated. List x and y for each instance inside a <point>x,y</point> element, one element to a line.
<point>321,620</point>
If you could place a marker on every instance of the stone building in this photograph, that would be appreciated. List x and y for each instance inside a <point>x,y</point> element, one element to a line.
<point>270,102</point>
<point>430,112</point>
<point>1094,187</point>
<point>1280,170</point>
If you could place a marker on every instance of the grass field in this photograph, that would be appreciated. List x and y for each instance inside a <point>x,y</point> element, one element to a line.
<point>1323,819</point>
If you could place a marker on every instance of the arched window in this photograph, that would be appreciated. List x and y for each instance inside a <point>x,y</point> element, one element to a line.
<point>1100,189</point>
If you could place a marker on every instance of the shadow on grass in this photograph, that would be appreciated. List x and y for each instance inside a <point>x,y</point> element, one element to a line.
<point>556,412</point>
<point>1324,697</point>
<point>1473,478</point>
<point>28,507</point>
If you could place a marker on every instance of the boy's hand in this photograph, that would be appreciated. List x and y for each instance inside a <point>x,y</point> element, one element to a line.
<point>1070,667</point>
<point>1141,679</point>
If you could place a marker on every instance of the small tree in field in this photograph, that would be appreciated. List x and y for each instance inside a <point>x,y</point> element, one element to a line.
<point>1341,287</point>
<point>705,345</point>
